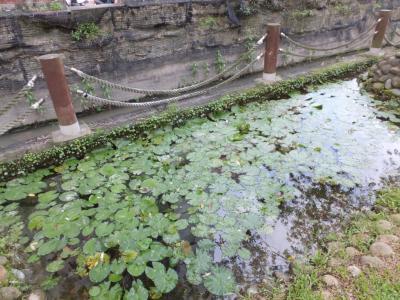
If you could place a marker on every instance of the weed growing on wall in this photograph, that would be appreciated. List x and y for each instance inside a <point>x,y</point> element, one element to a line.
<point>86,32</point>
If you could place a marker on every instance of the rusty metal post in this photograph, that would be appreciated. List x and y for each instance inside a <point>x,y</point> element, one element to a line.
<point>271,51</point>
<point>380,31</point>
<point>53,71</point>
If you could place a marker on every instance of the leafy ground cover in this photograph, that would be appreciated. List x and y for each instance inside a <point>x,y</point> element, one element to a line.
<point>126,216</point>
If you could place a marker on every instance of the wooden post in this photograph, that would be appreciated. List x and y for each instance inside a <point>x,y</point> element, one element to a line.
<point>380,31</point>
<point>53,71</point>
<point>271,51</point>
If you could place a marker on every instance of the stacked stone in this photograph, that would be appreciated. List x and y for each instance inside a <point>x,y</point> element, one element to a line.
<point>384,75</point>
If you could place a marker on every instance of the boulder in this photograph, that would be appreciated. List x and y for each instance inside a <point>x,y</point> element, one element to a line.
<point>395,218</point>
<point>3,260</point>
<point>354,271</point>
<point>383,225</point>
<point>381,249</point>
<point>330,280</point>
<point>395,92</point>
<point>393,61</point>
<point>372,261</point>
<point>388,238</point>
<point>385,67</point>
<point>19,274</point>
<point>396,82</point>
<point>326,295</point>
<point>395,71</point>
<point>351,252</point>
<point>378,85</point>
<point>9,293</point>
<point>37,295</point>
<point>384,78</point>
<point>388,84</point>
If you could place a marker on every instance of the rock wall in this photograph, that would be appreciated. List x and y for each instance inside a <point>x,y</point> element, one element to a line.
<point>384,75</point>
<point>165,44</point>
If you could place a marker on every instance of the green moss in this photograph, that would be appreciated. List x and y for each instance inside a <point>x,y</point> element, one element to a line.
<point>79,147</point>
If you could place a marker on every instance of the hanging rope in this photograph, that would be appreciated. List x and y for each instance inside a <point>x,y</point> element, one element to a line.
<point>119,103</point>
<point>312,56</point>
<point>20,95</point>
<point>166,92</point>
<point>307,47</point>
<point>391,43</point>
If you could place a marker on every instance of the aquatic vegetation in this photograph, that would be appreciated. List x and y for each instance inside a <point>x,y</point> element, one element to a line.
<point>78,148</point>
<point>192,195</point>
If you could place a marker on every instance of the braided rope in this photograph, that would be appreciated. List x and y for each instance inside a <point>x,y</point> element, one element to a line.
<point>119,103</point>
<point>166,92</point>
<point>311,56</point>
<point>332,48</point>
<point>391,43</point>
<point>16,122</point>
<point>20,95</point>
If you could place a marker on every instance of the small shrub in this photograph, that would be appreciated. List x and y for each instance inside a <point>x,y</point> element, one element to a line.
<point>208,22</point>
<point>86,31</point>
<point>55,6</point>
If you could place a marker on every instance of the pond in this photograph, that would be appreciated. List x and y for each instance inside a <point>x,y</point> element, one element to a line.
<point>208,208</point>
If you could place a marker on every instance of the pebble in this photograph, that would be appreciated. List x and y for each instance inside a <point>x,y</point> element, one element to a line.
<point>19,274</point>
<point>335,262</point>
<point>9,293</point>
<point>388,84</point>
<point>326,295</point>
<point>384,225</point>
<point>37,295</point>
<point>3,260</point>
<point>381,249</point>
<point>252,290</point>
<point>3,273</point>
<point>281,276</point>
<point>334,247</point>
<point>354,271</point>
<point>372,261</point>
<point>330,281</point>
<point>397,93</point>
<point>396,218</point>
<point>351,252</point>
<point>388,238</point>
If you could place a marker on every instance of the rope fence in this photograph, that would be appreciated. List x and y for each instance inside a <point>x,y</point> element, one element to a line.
<point>119,103</point>
<point>314,48</point>
<point>177,91</point>
<point>53,70</point>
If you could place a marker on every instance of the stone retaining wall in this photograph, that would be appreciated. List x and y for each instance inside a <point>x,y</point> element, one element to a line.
<point>167,45</point>
<point>384,75</point>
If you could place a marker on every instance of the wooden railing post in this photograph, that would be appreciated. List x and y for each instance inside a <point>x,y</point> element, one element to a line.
<point>380,31</point>
<point>54,74</point>
<point>271,52</point>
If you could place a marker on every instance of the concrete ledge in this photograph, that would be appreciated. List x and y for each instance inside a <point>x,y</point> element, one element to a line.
<point>59,137</point>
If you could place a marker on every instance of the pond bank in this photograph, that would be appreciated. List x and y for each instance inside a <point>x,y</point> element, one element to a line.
<point>362,261</point>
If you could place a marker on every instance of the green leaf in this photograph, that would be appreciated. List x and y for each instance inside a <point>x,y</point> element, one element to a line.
<point>99,272</point>
<point>94,291</point>
<point>104,229</point>
<point>164,281</point>
<point>55,266</point>
<point>136,269</point>
<point>220,282</point>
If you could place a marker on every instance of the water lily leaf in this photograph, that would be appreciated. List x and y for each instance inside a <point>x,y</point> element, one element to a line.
<point>55,266</point>
<point>91,247</point>
<point>104,229</point>
<point>68,196</point>
<point>94,291</point>
<point>99,272</point>
<point>14,194</point>
<point>220,282</point>
<point>136,268</point>
<point>118,266</point>
<point>48,196</point>
<point>137,292</point>
<point>164,281</point>
<point>50,246</point>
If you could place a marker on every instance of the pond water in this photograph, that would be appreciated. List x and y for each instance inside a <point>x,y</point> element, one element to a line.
<point>208,208</point>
